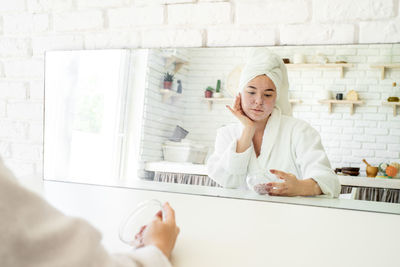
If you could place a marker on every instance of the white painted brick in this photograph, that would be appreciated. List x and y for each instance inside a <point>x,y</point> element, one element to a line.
<point>373,146</point>
<point>229,36</point>
<point>354,117</point>
<point>366,109</point>
<point>271,12</point>
<point>26,151</point>
<point>347,130</point>
<point>380,31</point>
<point>350,144</point>
<point>101,3</point>
<point>379,59</point>
<point>349,160</point>
<point>372,96</point>
<point>342,123</point>
<point>13,130</point>
<point>356,59</point>
<point>159,2</point>
<point>331,129</point>
<point>317,34</point>
<point>36,90</point>
<point>57,42</point>
<point>346,137</point>
<point>35,132</point>
<point>374,117</point>
<point>364,138</point>
<point>368,52</point>
<point>25,23</point>
<point>395,132</point>
<point>14,47</point>
<point>387,154</point>
<point>376,131</point>
<point>388,139</point>
<point>331,116</point>
<point>13,90</point>
<point>112,40</point>
<point>25,111</point>
<point>75,21</point>
<point>2,108</point>
<point>40,22</point>
<point>394,147</point>
<point>49,5</point>
<point>389,124</point>
<point>24,68</point>
<point>362,153</point>
<point>346,51</point>
<point>17,23</point>
<point>14,5</point>
<point>20,168</point>
<point>171,38</point>
<point>128,17</point>
<point>343,10</point>
<point>309,115</point>
<point>199,14</point>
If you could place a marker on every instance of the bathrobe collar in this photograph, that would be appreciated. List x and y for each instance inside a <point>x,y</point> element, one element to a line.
<point>270,134</point>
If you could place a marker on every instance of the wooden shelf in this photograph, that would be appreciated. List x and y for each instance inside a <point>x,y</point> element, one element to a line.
<point>339,66</point>
<point>346,102</point>
<point>178,62</point>
<point>167,93</point>
<point>383,67</point>
<point>393,104</point>
<point>230,99</point>
<point>211,100</point>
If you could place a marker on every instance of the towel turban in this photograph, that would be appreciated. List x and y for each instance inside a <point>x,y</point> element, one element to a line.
<point>263,62</point>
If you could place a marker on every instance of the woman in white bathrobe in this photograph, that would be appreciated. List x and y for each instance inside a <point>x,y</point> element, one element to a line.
<point>35,234</point>
<point>268,140</point>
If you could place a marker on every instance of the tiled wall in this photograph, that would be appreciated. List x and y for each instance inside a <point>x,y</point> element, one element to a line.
<point>30,27</point>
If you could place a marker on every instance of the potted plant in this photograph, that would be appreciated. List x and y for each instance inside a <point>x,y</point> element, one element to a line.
<point>218,89</point>
<point>168,79</point>
<point>209,92</point>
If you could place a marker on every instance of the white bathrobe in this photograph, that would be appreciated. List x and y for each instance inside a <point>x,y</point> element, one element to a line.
<point>34,234</point>
<point>289,144</point>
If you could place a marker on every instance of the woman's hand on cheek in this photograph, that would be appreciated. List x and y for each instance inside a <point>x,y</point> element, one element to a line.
<point>238,112</point>
<point>290,187</point>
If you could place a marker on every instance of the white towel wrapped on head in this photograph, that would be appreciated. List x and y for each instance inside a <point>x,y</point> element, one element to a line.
<point>261,61</point>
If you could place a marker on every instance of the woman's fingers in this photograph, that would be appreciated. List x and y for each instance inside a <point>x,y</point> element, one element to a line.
<point>238,103</point>
<point>169,214</point>
<point>276,189</point>
<point>282,175</point>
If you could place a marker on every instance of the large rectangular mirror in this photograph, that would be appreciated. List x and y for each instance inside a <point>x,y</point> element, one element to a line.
<point>113,117</point>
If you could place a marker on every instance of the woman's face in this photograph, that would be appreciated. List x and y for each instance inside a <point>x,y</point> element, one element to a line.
<point>258,98</point>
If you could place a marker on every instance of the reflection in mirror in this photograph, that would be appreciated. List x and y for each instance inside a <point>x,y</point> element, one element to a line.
<point>153,115</point>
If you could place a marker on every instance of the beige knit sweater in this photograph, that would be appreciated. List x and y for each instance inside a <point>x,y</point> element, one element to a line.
<point>34,234</point>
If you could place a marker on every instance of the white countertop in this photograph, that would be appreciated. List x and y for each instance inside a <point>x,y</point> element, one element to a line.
<point>200,169</point>
<point>219,232</point>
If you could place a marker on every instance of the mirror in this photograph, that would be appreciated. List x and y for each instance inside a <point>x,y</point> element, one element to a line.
<point>113,118</point>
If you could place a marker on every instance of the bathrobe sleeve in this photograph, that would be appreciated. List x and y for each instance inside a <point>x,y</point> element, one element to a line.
<point>34,234</point>
<point>225,166</point>
<point>312,159</point>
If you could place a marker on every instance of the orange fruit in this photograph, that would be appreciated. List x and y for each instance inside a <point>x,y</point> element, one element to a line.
<point>391,171</point>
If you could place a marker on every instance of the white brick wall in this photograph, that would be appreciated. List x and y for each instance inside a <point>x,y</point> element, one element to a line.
<point>28,28</point>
